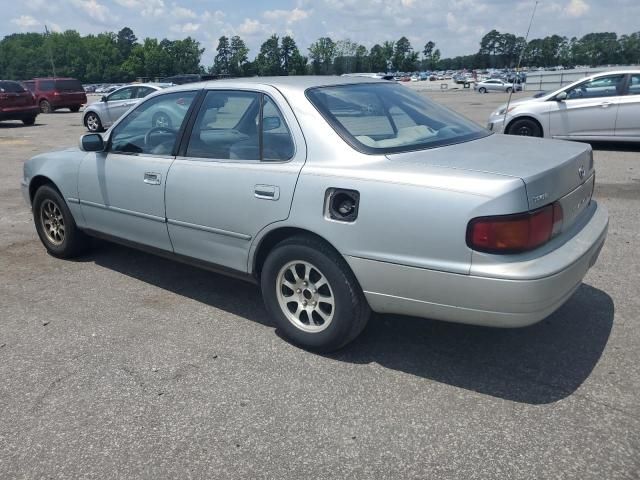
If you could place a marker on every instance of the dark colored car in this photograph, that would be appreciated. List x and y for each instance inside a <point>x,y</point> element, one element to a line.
<point>54,93</point>
<point>17,103</point>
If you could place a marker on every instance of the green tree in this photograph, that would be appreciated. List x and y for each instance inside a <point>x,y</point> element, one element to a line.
<point>238,56</point>
<point>377,59</point>
<point>126,40</point>
<point>322,53</point>
<point>269,60</point>
<point>401,52</point>
<point>293,63</point>
<point>222,61</point>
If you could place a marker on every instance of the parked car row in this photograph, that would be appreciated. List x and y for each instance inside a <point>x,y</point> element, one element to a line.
<point>17,103</point>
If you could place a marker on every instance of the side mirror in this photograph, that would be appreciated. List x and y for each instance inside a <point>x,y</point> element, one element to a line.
<point>104,98</point>
<point>270,123</point>
<point>92,142</point>
<point>562,96</point>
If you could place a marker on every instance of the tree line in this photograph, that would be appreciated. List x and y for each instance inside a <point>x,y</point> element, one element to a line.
<point>120,57</point>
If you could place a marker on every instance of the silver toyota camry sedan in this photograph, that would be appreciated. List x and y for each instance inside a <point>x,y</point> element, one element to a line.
<point>339,197</point>
<point>603,107</point>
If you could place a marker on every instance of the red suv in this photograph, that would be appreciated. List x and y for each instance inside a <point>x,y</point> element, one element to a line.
<point>17,103</point>
<point>54,93</point>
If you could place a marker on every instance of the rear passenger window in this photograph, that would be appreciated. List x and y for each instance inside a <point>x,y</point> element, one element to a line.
<point>227,128</point>
<point>11,87</point>
<point>634,85</point>
<point>47,85</point>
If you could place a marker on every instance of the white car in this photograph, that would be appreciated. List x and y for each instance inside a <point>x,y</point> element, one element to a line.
<point>496,85</point>
<point>603,107</point>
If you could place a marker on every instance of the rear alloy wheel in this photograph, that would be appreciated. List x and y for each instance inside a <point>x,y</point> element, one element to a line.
<point>29,120</point>
<point>92,122</point>
<point>482,90</point>
<point>55,225</point>
<point>161,119</point>
<point>312,295</point>
<point>525,128</point>
<point>45,106</point>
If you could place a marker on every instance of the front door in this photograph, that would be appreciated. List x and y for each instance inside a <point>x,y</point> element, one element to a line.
<point>121,190</point>
<point>236,176</point>
<point>119,102</point>
<point>590,108</point>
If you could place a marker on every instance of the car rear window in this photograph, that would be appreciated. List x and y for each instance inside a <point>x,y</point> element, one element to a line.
<point>390,118</point>
<point>11,87</point>
<point>69,86</point>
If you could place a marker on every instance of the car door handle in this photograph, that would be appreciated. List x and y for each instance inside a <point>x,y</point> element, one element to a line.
<point>267,192</point>
<point>606,104</point>
<point>152,178</point>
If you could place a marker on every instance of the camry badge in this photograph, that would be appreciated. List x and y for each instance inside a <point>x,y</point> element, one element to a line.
<point>581,172</point>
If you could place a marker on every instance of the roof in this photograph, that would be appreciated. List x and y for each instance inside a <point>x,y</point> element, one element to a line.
<point>293,82</point>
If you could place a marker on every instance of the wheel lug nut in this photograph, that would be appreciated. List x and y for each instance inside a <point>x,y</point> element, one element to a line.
<point>305,283</point>
<point>304,303</point>
<point>315,291</point>
<point>298,291</point>
<point>314,304</point>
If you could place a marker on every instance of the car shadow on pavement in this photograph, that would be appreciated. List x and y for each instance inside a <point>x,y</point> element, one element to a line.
<point>17,124</point>
<point>539,364</point>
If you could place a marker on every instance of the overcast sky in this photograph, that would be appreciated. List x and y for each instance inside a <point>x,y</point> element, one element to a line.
<point>455,25</point>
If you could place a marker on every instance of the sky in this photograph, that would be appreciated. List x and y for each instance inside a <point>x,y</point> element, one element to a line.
<point>455,25</point>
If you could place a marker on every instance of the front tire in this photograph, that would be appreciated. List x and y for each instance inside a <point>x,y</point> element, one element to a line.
<point>92,122</point>
<point>312,295</point>
<point>55,224</point>
<point>482,90</point>
<point>509,89</point>
<point>45,106</point>
<point>525,128</point>
<point>29,121</point>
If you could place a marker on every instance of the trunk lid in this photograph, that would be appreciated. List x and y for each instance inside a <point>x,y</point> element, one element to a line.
<point>550,169</point>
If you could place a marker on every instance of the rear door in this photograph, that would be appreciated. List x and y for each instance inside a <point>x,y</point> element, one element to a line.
<point>589,110</point>
<point>13,96</point>
<point>236,175</point>
<point>628,120</point>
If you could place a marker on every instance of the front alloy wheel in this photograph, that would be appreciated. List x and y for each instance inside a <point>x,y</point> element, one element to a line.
<point>92,122</point>
<point>52,222</point>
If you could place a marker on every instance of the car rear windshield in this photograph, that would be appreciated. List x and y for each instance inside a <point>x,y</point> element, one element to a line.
<point>389,118</point>
<point>11,87</point>
<point>69,86</point>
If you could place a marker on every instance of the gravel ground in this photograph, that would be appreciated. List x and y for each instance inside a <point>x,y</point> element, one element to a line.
<point>124,365</point>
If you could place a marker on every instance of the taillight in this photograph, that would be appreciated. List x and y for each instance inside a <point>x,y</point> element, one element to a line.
<point>515,233</point>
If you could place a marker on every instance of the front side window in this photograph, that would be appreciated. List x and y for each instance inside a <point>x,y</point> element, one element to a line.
<point>123,94</point>
<point>153,126</point>
<point>47,85</point>
<point>384,118</point>
<point>610,86</point>
<point>11,87</point>
<point>228,128</point>
<point>144,91</point>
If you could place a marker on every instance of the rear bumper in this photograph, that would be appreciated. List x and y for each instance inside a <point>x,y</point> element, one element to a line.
<point>19,114</point>
<point>482,299</point>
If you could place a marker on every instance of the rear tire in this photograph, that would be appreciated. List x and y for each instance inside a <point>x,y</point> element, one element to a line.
<point>55,225</point>
<point>320,308</point>
<point>482,90</point>
<point>45,106</point>
<point>75,108</point>
<point>525,128</point>
<point>29,120</point>
<point>509,89</point>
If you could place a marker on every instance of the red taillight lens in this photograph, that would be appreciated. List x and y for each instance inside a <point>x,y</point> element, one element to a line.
<point>515,233</point>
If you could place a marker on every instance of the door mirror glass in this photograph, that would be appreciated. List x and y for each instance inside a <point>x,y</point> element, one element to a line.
<point>92,142</point>
<point>561,97</point>
<point>270,123</point>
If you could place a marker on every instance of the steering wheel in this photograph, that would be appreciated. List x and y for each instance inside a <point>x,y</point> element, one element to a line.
<point>147,136</point>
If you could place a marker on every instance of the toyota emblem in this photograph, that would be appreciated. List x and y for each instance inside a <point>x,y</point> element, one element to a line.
<point>581,172</point>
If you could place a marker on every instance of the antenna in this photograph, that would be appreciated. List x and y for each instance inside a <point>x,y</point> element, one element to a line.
<point>53,67</point>
<point>526,39</point>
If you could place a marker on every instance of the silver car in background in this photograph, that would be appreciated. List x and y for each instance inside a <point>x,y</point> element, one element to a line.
<point>99,116</point>
<point>338,196</point>
<point>496,85</point>
<point>603,107</point>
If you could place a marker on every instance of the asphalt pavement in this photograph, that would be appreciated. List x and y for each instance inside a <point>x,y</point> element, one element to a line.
<point>122,365</point>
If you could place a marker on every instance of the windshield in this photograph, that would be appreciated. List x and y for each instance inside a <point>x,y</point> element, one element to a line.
<point>387,118</point>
